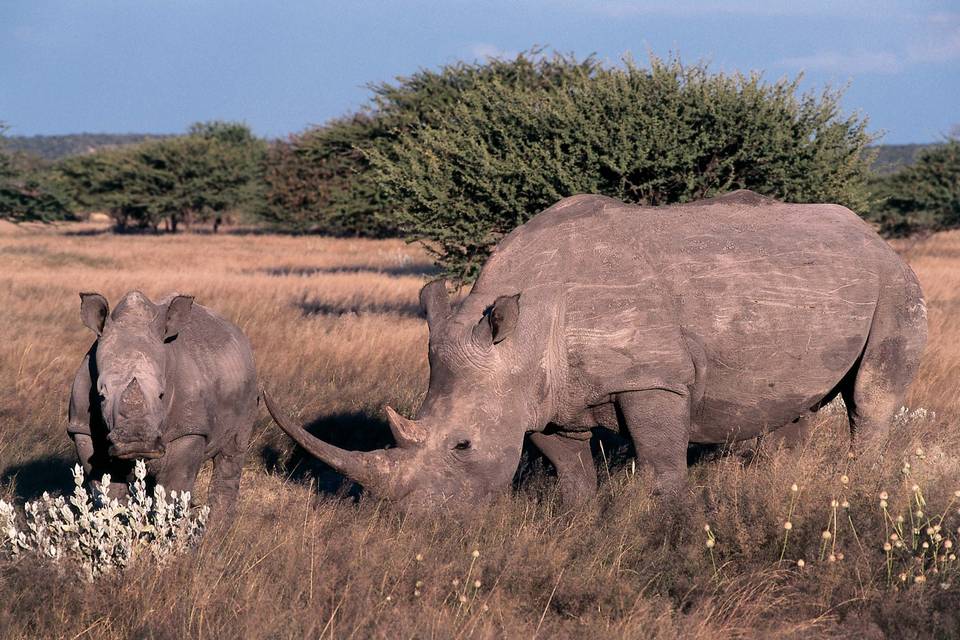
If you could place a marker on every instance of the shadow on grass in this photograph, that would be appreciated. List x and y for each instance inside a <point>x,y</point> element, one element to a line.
<point>321,307</point>
<point>30,479</point>
<point>412,269</point>
<point>354,431</point>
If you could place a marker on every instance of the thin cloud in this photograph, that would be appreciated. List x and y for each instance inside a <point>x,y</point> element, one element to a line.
<point>941,41</point>
<point>936,39</point>
<point>857,62</point>
<point>695,8</point>
<point>488,51</point>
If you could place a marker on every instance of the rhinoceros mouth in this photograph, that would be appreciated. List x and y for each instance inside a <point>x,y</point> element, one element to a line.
<point>135,450</point>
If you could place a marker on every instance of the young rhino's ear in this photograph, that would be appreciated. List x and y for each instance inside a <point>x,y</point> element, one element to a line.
<point>93,311</point>
<point>178,312</point>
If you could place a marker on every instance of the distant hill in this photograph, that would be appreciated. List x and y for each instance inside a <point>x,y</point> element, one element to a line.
<point>891,157</point>
<point>56,147</point>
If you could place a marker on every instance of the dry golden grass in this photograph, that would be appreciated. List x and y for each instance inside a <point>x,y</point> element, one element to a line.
<point>336,335</point>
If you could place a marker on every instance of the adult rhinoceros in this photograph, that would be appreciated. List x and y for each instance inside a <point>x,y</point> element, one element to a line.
<point>171,382</point>
<point>706,322</point>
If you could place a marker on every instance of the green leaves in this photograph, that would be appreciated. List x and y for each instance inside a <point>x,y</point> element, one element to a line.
<point>217,167</point>
<point>924,195</point>
<point>511,143</point>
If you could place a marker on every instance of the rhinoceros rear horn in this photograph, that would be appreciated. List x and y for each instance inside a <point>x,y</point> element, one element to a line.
<point>364,467</point>
<point>406,432</point>
<point>435,302</point>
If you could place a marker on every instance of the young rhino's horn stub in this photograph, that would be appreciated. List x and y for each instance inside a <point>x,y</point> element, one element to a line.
<point>132,399</point>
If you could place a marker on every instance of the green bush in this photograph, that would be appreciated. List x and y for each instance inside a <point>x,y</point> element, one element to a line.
<point>922,196</point>
<point>466,171</point>
<point>318,181</point>
<point>321,180</point>
<point>216,167</point>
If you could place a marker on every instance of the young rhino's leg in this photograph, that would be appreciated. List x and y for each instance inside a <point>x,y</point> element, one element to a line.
<point>224,487</point>
<point>181,463</point>
<point>227,468</point>
<point>573,460</point>
<point>659,425</point>
<point>94,473</point>
<point>84,445</point>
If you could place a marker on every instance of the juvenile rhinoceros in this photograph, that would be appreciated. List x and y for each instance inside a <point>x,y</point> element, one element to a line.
<point>171,382</point>
<point>707,322</point>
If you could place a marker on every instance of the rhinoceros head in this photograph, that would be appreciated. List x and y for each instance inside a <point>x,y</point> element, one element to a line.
<point>131,379</point>
<point>487,387</point>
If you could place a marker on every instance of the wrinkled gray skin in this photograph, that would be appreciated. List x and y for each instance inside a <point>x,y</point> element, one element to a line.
<point>171,382</point>
<point>709,322</point>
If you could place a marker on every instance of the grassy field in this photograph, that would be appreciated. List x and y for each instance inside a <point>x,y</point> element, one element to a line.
<point>336,332</point>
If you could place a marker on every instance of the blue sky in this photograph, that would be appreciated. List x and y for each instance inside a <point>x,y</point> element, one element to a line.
<point>157,65</point>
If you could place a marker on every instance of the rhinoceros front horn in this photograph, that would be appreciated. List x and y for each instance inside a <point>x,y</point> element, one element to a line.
<point>406,432</point>
<point>364,467</point>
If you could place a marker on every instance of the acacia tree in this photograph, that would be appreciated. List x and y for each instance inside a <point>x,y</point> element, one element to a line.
<point>216,167</point>
<point>112,180</point>
<point>322,180</point>
<point>198,176</point>
<point>478,166</point>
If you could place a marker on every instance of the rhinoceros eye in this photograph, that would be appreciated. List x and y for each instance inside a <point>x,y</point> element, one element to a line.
<point>462,445</point>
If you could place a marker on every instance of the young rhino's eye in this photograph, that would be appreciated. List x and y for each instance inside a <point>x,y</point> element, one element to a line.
<point>462,445</point>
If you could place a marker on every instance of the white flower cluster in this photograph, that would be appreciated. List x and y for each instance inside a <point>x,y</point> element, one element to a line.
<point>905,417</point>
<point>99,533</point>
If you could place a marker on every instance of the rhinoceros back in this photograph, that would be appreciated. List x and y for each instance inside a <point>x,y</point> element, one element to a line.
<point>780,296</point>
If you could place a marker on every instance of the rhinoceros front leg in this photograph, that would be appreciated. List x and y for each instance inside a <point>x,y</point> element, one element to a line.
<point>84,446</point>
<point>181,463</point>
<point>224,487</point>
<point>573,460</point>
<point>659,425</point>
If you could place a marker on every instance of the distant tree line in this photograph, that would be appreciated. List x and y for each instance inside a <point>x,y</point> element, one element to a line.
<point>57,147</point>
<point>215,168</point>
<point>27,191</point>
<point>457,157</point>
<point>922,196</point>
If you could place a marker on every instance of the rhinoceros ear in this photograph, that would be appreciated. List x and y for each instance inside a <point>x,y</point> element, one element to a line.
<point>435,302</point>
<point>504,316</point>
<point>499,321</point>
<point>178,312</point>
<point>93,311</point>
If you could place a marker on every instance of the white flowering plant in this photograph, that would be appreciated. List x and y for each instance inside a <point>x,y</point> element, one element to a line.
<point>919,541</point>
<point>99,534</point>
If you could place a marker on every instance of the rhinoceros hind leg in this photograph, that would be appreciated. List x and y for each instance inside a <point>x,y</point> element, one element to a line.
<point>659,425</point>
<point>573,460</point>
<point>888,365</point>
